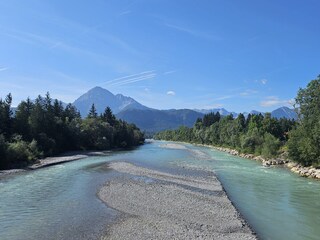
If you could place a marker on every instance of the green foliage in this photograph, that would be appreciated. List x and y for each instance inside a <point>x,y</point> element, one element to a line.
<point>4,163</point>
<point>304,141</point>
<point>93,112</point>
<point>255,135</point>
<point>264,135</point>
<point>270,146</point>
<point>45,127</point>
<point>252,141</point>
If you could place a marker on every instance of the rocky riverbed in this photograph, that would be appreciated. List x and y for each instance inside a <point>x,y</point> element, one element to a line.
<point>158,205</point>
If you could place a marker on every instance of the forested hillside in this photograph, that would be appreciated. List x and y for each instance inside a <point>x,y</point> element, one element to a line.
<point>44,127</point>
<point>262,135</point>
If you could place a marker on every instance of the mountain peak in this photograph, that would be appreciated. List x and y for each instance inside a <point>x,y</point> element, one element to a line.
<point>98,89</point>
<point>103,98</point>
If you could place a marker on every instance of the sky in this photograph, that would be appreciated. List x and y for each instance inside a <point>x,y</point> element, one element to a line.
<point>238,55</point>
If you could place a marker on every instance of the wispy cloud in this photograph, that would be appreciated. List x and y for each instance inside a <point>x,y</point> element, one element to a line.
<point>146,75</point>
<point>170,72</point>
<point>272,101</point>
<point>193,32</point>
<point>217,105</point>
<point>262,81</point>
<point>3,69</point>
<point>248,92</point>
<point>125,13</point>
<point>171,93</point>
<point>223,97</point>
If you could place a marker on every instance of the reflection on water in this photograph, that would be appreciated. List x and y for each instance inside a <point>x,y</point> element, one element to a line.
<point>60,202</point>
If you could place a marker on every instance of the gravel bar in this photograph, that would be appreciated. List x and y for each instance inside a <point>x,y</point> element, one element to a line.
<point>158,205</point>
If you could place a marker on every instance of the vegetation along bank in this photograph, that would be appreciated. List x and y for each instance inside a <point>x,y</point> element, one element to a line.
<point>45,127</point>
<point>261,137</point>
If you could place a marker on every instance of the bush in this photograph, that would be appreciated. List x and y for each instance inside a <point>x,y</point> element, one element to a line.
<point>270,145</point>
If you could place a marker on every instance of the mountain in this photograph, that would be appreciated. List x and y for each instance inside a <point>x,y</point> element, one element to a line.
<point>152,120</point>
<point>103,98</point>
<point>284,112</point>
<point>253,112</point>
<point>222,111</point>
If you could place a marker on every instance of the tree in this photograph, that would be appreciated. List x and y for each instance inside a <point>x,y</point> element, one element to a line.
<point>23,113</point>
<point>270,145</point>
<point>304,141</point>
<point>108,116</point>
<point>6,116</point>
<point>93,112</point>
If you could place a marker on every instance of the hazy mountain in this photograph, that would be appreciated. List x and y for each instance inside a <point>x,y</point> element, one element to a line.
<point>152,120</point>
<point>222,111</point>
<point>253,112</point>
<point>103,98</point>
<point>284,112</point>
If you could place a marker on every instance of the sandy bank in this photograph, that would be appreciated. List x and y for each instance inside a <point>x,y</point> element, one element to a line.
<point>157,205</point>
<point>67,157</point>
<point>49,161</point>
<point>173,146</point>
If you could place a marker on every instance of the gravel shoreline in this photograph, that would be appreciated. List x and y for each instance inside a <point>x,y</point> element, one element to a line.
<point>158,205</point>
<point>50,161</point>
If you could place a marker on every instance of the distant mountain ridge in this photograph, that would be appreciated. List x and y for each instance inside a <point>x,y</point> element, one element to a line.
<point>222,111</point>
<point>153,120</point>
<point>103,98</point>
<point>282,112</point>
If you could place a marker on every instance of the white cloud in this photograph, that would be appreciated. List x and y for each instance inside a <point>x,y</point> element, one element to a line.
<point>264,81</point>
<point>272,101</point>
<point>171,93</point>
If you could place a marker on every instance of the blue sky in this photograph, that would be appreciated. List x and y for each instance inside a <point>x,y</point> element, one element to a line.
<point>240,55</point>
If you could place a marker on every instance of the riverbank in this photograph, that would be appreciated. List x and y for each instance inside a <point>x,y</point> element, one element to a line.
<point>50,161</point>
<point>310,172</point>
<point>158,205</point>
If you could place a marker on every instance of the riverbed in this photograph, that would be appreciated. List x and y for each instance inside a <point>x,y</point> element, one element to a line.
<point>61,201</point>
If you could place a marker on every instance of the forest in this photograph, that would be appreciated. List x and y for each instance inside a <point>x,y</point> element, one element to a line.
<point>262,134</point>
<point>45,127</point>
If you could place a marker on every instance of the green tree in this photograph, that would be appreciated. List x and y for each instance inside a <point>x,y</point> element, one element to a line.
<point>270,145</point>
<point>93,112</point>
<point>108,116</point>
<point>6,116</point>
<point>304,142</point>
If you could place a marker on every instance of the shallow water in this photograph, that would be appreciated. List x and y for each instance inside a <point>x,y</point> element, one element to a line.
<point>278,204</point>
<point>60,202</point>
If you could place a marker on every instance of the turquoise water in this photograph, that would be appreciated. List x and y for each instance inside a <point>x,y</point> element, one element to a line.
<point>277,204</point>
<point>60,202</point>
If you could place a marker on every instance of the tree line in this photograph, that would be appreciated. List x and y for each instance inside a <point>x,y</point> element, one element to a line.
<point>262,134</point>
<point>45,127</point>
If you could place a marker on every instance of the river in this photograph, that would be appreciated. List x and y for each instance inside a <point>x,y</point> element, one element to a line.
<point>60,202</point>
